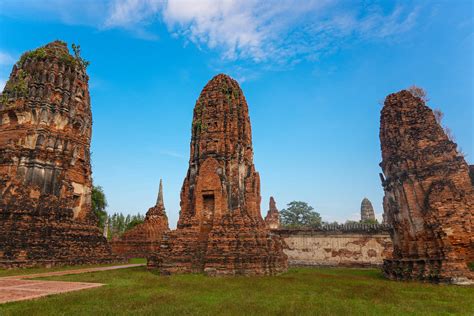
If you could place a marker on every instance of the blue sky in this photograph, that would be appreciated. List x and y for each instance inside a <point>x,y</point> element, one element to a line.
<point>313,72</point>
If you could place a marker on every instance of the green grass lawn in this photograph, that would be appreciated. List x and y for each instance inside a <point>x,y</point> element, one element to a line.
<point>301,291</point>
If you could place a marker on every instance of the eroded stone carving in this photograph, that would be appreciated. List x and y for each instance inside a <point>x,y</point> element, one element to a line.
<point>45,171</point>
<point>220,228</point>
<point>429,199</point>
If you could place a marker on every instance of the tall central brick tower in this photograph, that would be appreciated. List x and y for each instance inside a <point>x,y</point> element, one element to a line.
<point>220,228</point>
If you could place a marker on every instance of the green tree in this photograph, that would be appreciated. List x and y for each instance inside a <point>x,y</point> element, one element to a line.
<point>99,203</point>
<point>370,221</point>
<point>133,221</point>
<point>119,223</point>
<point>77,53</point>
<point>299,215</point>
<point>351,222</point>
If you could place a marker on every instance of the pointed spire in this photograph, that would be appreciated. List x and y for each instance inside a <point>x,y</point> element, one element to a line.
<point>159,200</point>
<point>273,216</point>
<point>272,204</point>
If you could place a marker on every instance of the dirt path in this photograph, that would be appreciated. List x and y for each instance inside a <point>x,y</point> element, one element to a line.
<point>19,287</point>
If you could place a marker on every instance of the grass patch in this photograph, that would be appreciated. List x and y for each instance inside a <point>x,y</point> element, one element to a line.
<point>137,260</point>
<point>302,291</point>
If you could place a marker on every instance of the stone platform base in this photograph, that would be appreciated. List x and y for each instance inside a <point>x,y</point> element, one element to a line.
<point>341,264</point>
<point>428,270</point>
<point>134,249</point>
<point>45,233</point>
<point>250,268</point>
<point>15,264</point>
<point>225,252</point>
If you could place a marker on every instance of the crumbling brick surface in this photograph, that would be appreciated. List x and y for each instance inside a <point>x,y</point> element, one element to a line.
<point>220,228</point>
<point>367,211</point>
<point>429,199</point>
<point>45,171</point>
<point>273,216</point>
<point>144,239</point>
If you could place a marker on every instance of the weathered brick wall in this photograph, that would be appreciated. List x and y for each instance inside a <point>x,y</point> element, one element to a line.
<point>429,198</point>
<point>355,245</point>
<point>45,172</point>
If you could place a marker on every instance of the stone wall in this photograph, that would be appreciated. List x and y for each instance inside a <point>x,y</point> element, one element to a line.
<point>352,245</point>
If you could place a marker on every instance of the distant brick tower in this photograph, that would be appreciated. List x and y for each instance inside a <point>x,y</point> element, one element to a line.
<point>273,216</point>
<point>366,211</point>
<point>144,239</point>
<point>220,228</point>
<point>45,170</point>
<point>429,199</point>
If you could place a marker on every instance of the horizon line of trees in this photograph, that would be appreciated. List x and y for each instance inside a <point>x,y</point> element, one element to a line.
<point>117,223</point>
<point>297,214</point>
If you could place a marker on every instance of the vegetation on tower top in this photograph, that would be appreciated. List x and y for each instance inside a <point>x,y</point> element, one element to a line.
<point>57,49</point>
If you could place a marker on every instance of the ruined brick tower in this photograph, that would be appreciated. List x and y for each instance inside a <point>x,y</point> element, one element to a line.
<point>429,199</point>
<point>273,216</point>
<point>220,228</point>
<point>144,239</point>
<point>45,171</point>
<point>366,211</point>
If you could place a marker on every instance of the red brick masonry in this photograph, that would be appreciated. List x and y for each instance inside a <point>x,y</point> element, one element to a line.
<point>45,171</point>
<point>220,228</point>
<point>429,198</point>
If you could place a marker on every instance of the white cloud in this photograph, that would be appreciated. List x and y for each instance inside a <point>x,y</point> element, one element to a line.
<point>281,32</point>
<point>238,29</point>
<point>277,32</point>
<point>227,25</point>
<point>130,13</point>
<point>284,31</point>
<point>3,82</point>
